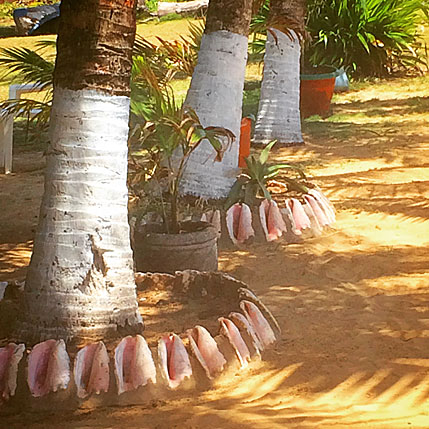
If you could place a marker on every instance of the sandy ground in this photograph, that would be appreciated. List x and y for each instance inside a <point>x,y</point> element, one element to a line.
<point>353,304</point>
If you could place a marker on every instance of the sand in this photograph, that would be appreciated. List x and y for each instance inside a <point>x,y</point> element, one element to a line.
<point>353,304</point>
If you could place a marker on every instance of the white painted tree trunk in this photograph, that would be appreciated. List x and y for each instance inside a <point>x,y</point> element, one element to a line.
<point>216,94</point>
<point>80,279</point>
<point>278,113</point>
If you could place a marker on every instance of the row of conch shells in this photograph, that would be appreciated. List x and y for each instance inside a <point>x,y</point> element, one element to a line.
<point>315,214</point>
<point>254,325</point>
<point>49,363</point>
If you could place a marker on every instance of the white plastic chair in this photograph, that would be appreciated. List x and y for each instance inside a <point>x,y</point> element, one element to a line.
<point>6,125</point>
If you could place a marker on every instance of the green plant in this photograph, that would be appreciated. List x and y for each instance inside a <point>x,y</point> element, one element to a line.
<point>26,66</point>
<point>149,63</point>
<point>253,182</point>
<point>168,134</point>
<point>182,54</point>
<point>366,37</point>
<point>258,28</point>
<point>152,5</point>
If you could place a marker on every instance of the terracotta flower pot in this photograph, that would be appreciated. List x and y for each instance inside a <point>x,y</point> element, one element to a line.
<point>316,91</point>
<point>245,137</point>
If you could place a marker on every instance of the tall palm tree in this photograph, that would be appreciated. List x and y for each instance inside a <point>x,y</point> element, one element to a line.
<point>216,94</point>
<point>278,113</point>
<point>80,283</point>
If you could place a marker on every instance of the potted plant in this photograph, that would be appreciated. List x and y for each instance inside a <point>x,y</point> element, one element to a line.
<point>251,185</point>
<point>167,134</point>
<point>316,90</point>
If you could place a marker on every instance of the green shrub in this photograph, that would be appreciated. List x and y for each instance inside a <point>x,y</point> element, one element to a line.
<point>367,37</point>
<point>258,29</point>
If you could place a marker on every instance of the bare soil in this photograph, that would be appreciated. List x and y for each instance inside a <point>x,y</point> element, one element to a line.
<point>353,304</point>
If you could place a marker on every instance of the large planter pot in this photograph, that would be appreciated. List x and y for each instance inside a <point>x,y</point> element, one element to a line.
<point>317,88</point>
<point>194,248</point>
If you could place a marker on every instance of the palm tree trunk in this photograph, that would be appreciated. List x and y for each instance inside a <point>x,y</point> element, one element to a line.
<point>80,283</point>
<point>216,94</point>
<point>278,113</point>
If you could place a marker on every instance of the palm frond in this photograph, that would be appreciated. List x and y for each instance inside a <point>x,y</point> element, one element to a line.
<point>32,110</point>
<point>27,66</point>
<point>42,46</point>
<point>256,6</point>
<point>196,31</point>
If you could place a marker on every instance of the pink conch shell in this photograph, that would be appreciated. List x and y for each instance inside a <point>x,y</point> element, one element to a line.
<point>300,219</point>
<point>260,324</point>
<point>206,351</point>
<point>324,204</point>
<point>213,217</point>
<point>10,356</point>
<point>241,322</point>
<point>91,370</point>
<point>230,331</point>
<point>318,211</point>
<point>134,365</point>
<point>239,223</point>
<point>318,191</point>
<point>316,215</point>
<point>315,225</point>
<point>174,360</point>
<point>48,368</point>
<point>247,295</point>
<point>271,220</point>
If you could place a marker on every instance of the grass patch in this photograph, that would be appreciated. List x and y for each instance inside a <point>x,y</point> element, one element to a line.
<point>167,30</point>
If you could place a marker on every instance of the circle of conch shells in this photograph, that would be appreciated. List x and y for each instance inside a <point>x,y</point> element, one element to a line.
<point>247,333</point>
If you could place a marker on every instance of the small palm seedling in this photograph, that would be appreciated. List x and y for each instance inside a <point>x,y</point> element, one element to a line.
<point>169,134</point>
<point>253,182</point>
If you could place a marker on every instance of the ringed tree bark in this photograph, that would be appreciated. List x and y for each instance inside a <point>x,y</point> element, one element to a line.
<point>80,283</point>
<point>216,94</point>
<point>278,113</point>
